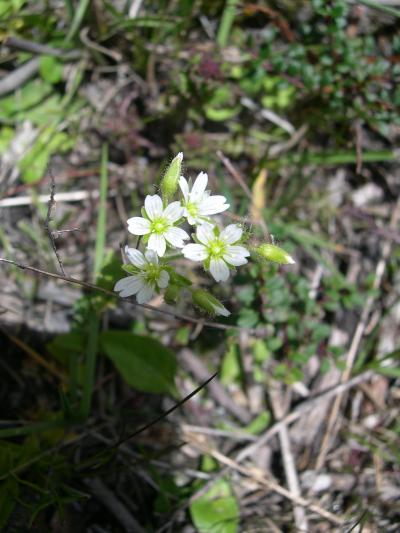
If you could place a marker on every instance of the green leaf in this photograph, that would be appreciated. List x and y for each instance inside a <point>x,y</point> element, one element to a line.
<point>65,345</point>
<point>230,368</point>
<point>34,163</point>
<point>143,362</point>
<point>260,423</point>
<point>248,318</point>
<point>50,69</point>
<point>217,511</point>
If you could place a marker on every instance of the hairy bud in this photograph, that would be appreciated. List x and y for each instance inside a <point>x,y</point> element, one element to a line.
<point>169,183</point>
<point>273,253</point>
<point>207,302</point>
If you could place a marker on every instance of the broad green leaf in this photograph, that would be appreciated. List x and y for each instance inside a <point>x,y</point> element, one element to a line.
<point>50,69</point>
<point>217,511</point>
<point>62,346</point>
<point>34,163</point>
<point>143,362</point>
<point>19,103</point>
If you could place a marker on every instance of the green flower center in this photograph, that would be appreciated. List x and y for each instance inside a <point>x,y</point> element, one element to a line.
<point>216,249</point>
<point>159,225</point>
<point>152,274</point>
<point>192,209</point>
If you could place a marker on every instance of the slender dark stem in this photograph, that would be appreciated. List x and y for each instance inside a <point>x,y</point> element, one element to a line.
<point>166,413</point>
<point>48,220</point>
<point>93,287</point>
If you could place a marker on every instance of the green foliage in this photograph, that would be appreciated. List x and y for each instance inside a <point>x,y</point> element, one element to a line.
<point>216,511</point>
<point>143,362</point>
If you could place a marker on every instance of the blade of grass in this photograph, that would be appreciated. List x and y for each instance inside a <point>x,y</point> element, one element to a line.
<point>77,20</point>
<point>101,220</point>
<point>31,428</point>
<point>228,16</point>
<point>380,7</point>
<point>94,321</point>
<point>330,158</point>
<point>69,8</point>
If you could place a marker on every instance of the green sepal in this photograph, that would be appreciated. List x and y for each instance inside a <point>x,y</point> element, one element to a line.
<point>130,269</point>
<point>171,294</point>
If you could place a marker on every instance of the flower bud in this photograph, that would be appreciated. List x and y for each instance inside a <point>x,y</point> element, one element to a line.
<point>207,302</point>
<point>273,253</point>
<point>171,294</point>
<point>169,183</point>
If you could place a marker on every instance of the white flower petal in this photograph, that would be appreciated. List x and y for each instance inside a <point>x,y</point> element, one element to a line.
<point>145,294</point>
<point>176,236</point>
<point>213,205</point>
<point>163,279</point>
<point>184,186</point>
<point>151,256</point>
<point>173,212</point>
<point>139,226</point>
<point>135,257</point>
<point>205,233</point>
<point>199,187</point>
<point>195,252</point>
<point>129,286</point>
<point>236,255</point>
<point>191,220</point>
<point>219,270</point>
<point>231,233</point>
<point>221,310</point>
<point>153,206</point>
<point>157,243</point>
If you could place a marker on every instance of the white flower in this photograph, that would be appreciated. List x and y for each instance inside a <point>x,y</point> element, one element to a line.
<point>217,251</point>
<point>159,225</point>
<point>197,203</point>
<point>150,277</point>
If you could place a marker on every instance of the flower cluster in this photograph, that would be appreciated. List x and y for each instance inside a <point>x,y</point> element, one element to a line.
<point>159,230</point>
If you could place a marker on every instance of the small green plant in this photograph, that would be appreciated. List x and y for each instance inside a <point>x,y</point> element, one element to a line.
<point>219,250</point>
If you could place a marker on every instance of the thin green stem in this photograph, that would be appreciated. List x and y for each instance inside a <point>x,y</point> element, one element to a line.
<point>69,9</point>
<point>80,12</point>
<point>101,220</point>
<point>228,16</point>
<point>90,365</point>
<point>31,428</point>
<point>94,320</point>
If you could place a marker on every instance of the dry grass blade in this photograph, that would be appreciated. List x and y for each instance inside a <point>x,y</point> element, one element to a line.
<point>355,344</point>
<point>256,475</point>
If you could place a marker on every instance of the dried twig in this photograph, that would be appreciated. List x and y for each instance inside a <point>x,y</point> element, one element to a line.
<point>256,475</point>
<point>355,344</point>
<point>289,463</point>
<point>300,411</point>
<point>108,498</point>
<point>72,196</point>
<point>50,233</point>
<point>19,76</point>
<point>38,48</point>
